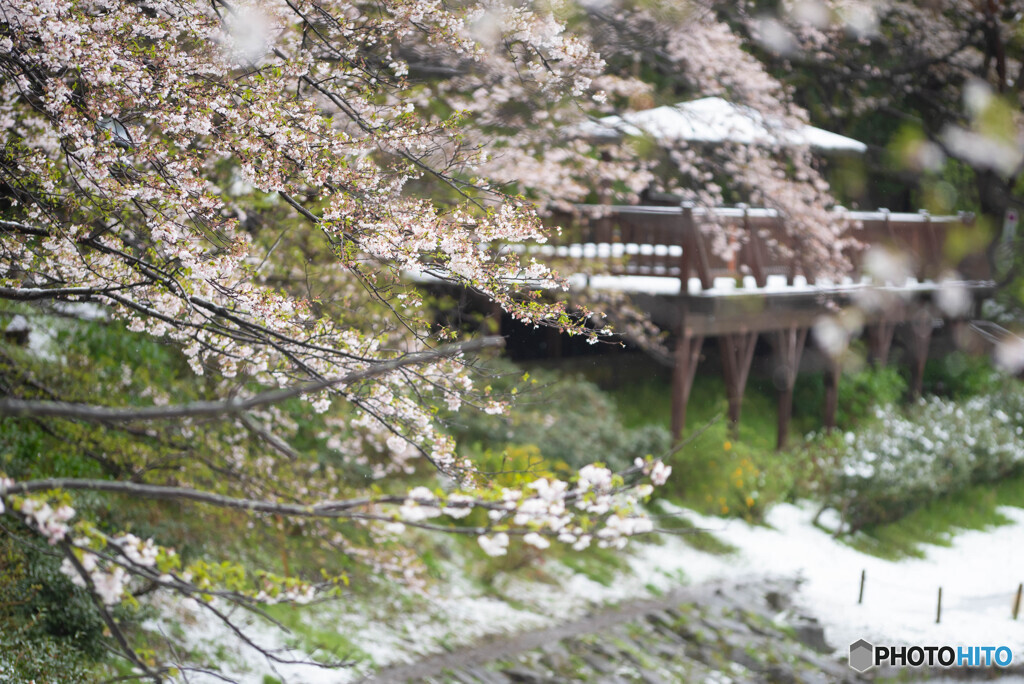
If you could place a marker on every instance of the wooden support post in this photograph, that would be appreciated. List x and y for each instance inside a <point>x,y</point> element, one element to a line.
<point>880,336</point>
<point>860,596</point>
<point>737,355</point>
<point>1016,601</point>
<point>687,355</point>
<point>832,372</point>
<point>918,343</point>
<point>789,346</point>
<point>938,608</point>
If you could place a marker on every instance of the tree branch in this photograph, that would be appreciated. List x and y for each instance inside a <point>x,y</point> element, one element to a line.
<point>93,413</point>
<point>327,509</point>
<point>108,620</point>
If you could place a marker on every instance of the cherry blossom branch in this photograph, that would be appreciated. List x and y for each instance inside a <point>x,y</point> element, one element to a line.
<point>89,412</point>
<point>108,620</point>
<point>30,294</point>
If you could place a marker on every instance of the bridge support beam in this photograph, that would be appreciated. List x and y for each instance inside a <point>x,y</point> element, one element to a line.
<point>789,346</point>
<point>880,336</point>
<point>918,341</point>
<point>737,355</point>
<point>832,373</point>
<point>684,369</point>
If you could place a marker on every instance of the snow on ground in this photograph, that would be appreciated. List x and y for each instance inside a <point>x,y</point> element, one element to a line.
<point>979,575</point>
<point>402,628</point>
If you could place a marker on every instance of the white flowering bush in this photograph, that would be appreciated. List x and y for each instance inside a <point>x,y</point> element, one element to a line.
<point>934,447</point>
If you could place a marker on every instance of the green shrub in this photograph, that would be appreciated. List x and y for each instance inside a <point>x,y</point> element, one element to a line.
<point>570,420</point>
<point>960,375</point>
<point>859,393</point>
<point>26,659</point>
<point>49,629</point>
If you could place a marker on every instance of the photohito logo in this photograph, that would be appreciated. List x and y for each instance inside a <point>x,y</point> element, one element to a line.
<point>864,655</point>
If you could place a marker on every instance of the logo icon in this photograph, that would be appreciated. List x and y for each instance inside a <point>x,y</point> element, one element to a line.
<point>862,655</point>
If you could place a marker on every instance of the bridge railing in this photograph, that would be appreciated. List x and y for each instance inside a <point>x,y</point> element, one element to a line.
<point>669,241</point>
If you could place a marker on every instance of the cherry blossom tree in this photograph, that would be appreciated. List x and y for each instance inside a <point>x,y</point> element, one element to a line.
<point>936,89</point>
<point>250,184</point>
<point>936,82</point>
<point>655,53</point>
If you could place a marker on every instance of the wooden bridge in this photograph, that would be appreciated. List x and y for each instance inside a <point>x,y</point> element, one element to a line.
<point>659,255</point>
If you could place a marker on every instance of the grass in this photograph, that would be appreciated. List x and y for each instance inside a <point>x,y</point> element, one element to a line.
<point>975,508</point>
<point>741,474</point>
<point>720,471</point>
<point>313,635</point>
<point>600,565</point>
<point>692,535</point>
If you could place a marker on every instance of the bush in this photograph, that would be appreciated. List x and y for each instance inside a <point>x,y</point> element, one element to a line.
<point>937,446</point>
<point>859,393</point>
<point>49,628</point>
<point>26,659</point>
<point>960,375</point>
<point>570,420</point>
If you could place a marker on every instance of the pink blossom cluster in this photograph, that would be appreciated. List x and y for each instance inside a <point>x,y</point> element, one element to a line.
<point>108,581</point>
<point>107,575</point>
<point>51,522</point>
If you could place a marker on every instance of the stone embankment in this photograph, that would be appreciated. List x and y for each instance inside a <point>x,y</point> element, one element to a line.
<point>737,631</point>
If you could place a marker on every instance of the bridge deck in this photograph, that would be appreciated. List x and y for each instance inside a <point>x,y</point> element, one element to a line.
<point>759,285</point>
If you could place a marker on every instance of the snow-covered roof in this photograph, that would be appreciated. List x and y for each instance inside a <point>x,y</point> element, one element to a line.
<point>714,120</point>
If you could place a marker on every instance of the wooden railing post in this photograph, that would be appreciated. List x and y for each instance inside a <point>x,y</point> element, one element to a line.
<point>917,248</point>
<point>693,242</point>
<point>754,250</point>
<point>929,263</point>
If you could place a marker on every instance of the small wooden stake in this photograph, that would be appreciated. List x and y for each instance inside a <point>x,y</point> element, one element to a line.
<point>938,610</point>
<point>860,597</point>
<point>1016,601</point>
